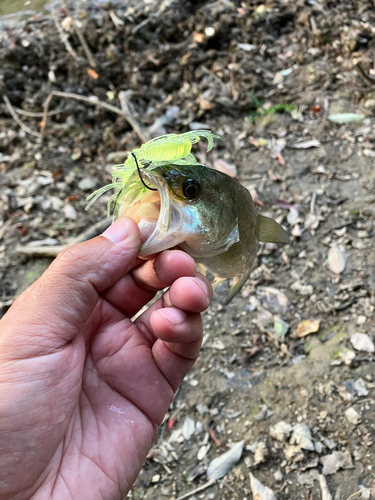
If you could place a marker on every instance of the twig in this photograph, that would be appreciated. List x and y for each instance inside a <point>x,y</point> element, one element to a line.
<point>90,100</point>
<point>54,250</point>
<point>84,44</point>
<point>18,121</point>
<point>197,490</point>
<point>126,109</point>
<point>81,38</point>
<point>370,80</point>
<point>32,114</point>
<point>326,495</point>
<point>359,493</point>
<point>64,38</point>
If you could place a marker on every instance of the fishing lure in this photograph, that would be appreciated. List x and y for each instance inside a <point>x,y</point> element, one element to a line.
<point>174,148</point>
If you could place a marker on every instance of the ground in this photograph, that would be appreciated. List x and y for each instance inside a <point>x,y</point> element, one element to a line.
<point>231,67</point>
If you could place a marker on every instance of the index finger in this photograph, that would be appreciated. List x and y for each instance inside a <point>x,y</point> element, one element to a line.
<point>138,287</point>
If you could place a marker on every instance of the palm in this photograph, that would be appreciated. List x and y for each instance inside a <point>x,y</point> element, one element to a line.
<point>96,386</point>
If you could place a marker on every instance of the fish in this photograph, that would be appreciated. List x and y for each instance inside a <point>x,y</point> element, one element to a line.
<point>204,212</point>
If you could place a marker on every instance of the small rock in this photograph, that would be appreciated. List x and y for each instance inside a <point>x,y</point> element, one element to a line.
<point>261,453</point>
<point>302,289</point>
<point>293,453</point>
<point>302,436</point>
<point>281,431</point>
<point>278,475</point>
<point>337,460</point>
<point>362,342</point>
<point>360,387</point>
<point>319,447</point>
<point>87,184</point>
<point>352,416</point>
<point>305,479</point>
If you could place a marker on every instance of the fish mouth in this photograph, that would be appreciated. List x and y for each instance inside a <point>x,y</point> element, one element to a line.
<point>158,219</point>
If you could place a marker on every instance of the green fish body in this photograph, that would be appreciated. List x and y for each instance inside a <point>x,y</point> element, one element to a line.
<point>206,213</point>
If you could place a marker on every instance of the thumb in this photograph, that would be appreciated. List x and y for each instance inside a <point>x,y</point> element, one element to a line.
<point>52,310</point>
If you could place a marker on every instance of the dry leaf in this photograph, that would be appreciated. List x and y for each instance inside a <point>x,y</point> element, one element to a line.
<point>92,73</point>
<point>346,118</point>
<point>306,327</point>
<point>336,260</point>
<point>313,143</point>
<point>221,465</point>
<point>259,491</point>
<point>204,104</point>
<point>225,167</point>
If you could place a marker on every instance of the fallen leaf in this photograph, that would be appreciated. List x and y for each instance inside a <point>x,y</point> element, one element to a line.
<point>204,104</point>
<point>313,143</point>
<point>259,491</point>
<point>222,464</point>
<point>92,73</point>
<point>225,167</point>
<point>362,342</point>
<point>70,212</point>
<point>306,327</point>
<point>280,326</point>
<point>346,118</point>
<point>336,259</point>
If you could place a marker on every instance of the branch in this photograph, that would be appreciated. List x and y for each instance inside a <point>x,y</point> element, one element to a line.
<point>95,102</point>
<point>18,121</point>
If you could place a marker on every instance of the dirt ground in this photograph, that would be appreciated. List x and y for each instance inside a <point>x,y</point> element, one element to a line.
<point>287,366</point>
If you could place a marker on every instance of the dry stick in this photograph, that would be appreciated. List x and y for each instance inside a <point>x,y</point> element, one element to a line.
<point>81,38</point>
<point>359,493</point>
<point>17,120</point>
<point>370,80</point>
<point>133,123</point>
<point>197,490</point>
<point>32,114</point>
<point>95,102</point>
<point>53,250</point>
<point>64,38</point>
<point>84,45</point>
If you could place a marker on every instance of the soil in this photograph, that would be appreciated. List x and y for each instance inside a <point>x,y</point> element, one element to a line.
<point>224,66</point>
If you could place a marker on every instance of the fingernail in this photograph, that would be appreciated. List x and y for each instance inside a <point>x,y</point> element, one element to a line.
<point>118,231</point>
<point>173,315</point>
<point>203,285</point>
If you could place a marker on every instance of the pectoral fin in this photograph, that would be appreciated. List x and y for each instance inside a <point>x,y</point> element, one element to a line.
<point>269,231</point>
<point>237,284</point>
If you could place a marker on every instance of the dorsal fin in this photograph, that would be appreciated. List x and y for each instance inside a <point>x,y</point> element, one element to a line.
<point>269,231</point>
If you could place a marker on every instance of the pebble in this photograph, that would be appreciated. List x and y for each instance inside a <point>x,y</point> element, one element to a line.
<point>87,184</point>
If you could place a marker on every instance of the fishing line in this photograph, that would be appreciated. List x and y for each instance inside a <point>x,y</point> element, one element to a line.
<point>139,173</point>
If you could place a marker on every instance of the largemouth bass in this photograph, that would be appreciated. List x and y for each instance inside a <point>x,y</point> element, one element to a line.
<point>202,211</point>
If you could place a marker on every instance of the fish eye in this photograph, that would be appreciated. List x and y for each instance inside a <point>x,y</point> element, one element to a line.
<point>191,188</point>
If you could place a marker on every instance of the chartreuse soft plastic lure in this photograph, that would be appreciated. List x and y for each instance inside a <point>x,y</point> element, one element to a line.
<point>171,148</point>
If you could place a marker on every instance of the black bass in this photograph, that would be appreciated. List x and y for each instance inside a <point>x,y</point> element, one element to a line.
<point>206,213</point>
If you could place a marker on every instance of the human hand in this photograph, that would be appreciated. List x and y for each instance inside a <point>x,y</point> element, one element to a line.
<point>84,389</point>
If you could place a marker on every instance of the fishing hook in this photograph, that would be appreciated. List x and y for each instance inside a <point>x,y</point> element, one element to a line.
<point>139,173</point>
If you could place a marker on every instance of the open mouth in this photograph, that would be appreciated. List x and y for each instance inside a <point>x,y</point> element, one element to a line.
<point>144,211</point>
